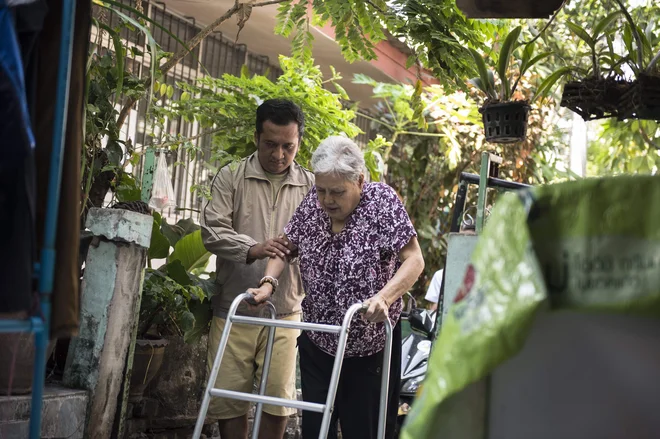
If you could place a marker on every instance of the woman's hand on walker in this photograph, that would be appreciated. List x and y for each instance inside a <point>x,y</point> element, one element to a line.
<point>260,295</point>
<point>377,309</point>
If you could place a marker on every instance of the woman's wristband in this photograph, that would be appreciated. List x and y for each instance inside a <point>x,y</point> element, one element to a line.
<point>269,280</point>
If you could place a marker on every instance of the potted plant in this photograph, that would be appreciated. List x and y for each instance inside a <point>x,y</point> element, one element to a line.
<point>505,119</point>
<point>598,93</point>
<point>174,299</point>
<point>642,99</point>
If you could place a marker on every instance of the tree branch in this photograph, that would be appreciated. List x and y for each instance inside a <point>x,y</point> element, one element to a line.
<point>376,7</point>
<point>647,138</point>
<point>359,113</point>
<point>190,45</point>
<point>267,3</point>
<point>547,25</point>
<point>186,139</point>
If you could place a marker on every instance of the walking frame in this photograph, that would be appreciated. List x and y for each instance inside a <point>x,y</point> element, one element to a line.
<point>262,399</point>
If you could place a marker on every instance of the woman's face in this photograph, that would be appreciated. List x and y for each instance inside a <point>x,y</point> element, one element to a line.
<point>338,197</point>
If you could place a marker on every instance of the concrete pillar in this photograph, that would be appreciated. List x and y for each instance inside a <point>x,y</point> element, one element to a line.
<point>111,291</point>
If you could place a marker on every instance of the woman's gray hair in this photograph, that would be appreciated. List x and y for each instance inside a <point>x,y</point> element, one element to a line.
<point>340,156</point>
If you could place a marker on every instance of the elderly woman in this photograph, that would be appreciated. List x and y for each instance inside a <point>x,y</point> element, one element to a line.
<point>355,243</point>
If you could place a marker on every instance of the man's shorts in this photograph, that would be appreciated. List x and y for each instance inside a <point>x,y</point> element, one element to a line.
<point>242,365</point>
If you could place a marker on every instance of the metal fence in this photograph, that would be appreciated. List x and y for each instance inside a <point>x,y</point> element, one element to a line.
<point>214,56</point>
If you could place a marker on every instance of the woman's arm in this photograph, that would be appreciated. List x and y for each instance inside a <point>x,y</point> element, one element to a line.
<point>412,265</point>
<point>274,268</point>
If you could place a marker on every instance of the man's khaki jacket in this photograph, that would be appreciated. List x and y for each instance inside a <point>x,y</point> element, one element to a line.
<point>241,213</point>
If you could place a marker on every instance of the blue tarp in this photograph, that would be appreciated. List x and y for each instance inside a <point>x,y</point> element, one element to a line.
<point>16,137</point>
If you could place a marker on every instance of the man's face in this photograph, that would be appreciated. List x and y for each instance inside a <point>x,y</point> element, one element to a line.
<point>277,146</point>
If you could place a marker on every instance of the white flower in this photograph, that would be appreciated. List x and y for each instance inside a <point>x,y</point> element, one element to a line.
<point>257,99</point>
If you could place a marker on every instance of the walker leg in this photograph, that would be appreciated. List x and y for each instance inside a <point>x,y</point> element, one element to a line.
<point>216,366</point>
<point>385,381</point>
<point>264,373</point>
<point>336,371</point>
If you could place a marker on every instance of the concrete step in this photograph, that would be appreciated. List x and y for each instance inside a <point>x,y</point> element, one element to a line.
<point>62,414</point>
<point>14,429</point>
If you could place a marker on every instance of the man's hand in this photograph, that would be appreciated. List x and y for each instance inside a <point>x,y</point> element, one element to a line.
<point>261,295</point>
<point>279,246</point>
<point>378,309</point>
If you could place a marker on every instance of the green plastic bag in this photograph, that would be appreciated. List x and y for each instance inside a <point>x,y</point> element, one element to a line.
<point>585,245</point>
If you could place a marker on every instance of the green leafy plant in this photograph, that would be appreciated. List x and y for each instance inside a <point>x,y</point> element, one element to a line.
<point>615,146</point>
<point>175,301</point>
<point>226,107</point>
<point>373,156</point>
<point>625,147</point>
<point>423,161</point>
<point>641,56</point>
<point>508,83</point>
<point>357,25</point>
<point>598,93</point>
<point>110,82</point>
<point>598,55</point>
<point>105,154</point>
<point>436,31</point>
<point>439,35</point>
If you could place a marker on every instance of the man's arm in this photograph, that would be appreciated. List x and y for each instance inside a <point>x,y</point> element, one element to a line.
<point>218,233</point>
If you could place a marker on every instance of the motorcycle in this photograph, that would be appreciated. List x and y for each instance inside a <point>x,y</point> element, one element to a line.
<point>415,351</point>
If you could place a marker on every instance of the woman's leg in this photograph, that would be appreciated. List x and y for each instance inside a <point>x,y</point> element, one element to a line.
<point>315,372</point>
<point>358,397</point>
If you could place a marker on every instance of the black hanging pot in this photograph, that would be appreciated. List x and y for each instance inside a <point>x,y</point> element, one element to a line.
<point>595,98</point>
<point>642,99</point>
<point>505,122</point>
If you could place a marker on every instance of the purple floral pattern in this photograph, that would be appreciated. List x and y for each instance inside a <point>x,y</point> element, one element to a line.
<point>339,270</point>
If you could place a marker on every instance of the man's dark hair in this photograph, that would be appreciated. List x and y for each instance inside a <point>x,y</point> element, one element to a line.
<point>280,112</point>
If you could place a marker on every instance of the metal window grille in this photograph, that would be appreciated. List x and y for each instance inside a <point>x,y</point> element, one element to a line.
<point>261,65</point>
<point>364,124</point>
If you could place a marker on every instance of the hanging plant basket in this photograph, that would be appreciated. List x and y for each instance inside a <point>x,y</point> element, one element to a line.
<point>505,122</point>
<point>642,99</point>
<point>595,98</point>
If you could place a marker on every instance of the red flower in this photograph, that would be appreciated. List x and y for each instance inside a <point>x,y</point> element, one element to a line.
<point>468,282</point>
